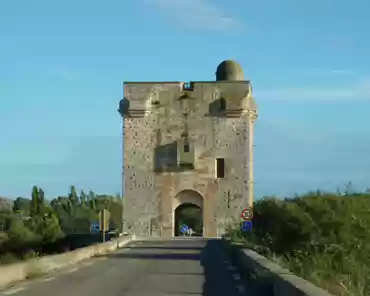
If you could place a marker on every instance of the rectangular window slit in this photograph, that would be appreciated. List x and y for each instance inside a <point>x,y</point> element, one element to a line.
<point>220,167</point>
<point>186,147</point>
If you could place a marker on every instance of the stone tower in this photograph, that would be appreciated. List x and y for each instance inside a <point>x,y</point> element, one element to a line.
<point>187,143</point>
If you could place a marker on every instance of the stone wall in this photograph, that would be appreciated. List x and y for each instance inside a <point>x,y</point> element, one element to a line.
<point>266,277</point>
<point>158,117</point>
<point>13,273</point>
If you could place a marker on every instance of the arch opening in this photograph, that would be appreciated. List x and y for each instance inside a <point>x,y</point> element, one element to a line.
<point>190,215</point>
<point>188,210</point>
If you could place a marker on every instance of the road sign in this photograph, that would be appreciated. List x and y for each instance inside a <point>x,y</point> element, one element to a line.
<point>184,228</point>
<point>247,214</point>
<point>94,226</point>
<point>246,226</point>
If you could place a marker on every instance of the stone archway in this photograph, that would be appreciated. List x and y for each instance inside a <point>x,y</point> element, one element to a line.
<point>187,200</point>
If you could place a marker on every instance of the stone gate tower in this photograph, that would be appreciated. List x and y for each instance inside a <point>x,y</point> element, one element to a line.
<point>187,143</point>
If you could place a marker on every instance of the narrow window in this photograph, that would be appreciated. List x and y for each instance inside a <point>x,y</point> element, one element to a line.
<point>222,104</point>
<point>186,147</point>
<point>220,167</point>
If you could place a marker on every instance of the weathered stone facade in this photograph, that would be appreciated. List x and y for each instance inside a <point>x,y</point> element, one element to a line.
<point>173,134</point>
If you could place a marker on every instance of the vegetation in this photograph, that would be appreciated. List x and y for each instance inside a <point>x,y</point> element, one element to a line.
<point>31,227</point>
<point>323,237</point>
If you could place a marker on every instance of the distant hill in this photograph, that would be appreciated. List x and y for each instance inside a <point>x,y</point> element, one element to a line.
<point>6,204</point>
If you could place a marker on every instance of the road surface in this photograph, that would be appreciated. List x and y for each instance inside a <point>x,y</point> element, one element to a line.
<point>145,268</point>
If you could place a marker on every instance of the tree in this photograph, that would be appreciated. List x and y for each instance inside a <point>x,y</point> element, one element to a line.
<point>93,204</point>
<point>41,201</point>
<point>22,206</point>
<point>49,227</point>
<point>73,197</point>
<point>91,195</point>
<point>19,233</point>
<point>34,201</point>
<point>83,198</point>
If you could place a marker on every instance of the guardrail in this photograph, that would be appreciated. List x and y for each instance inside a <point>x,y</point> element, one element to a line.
<point>270,277</point>
<point>16,272</point>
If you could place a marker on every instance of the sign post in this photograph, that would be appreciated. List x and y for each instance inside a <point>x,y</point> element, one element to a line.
<point>246,223</point>
<point>104,217</point>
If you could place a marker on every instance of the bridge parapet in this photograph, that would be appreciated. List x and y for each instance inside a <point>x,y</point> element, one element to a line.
<point>279,281</point>
<point>13,273</point>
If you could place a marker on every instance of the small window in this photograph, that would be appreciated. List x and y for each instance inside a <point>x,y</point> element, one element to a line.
<point>220,167</point>
<point>222,104</point>
<point>186,147</point>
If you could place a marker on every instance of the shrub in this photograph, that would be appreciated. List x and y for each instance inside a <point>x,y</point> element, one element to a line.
<point>322,237</point>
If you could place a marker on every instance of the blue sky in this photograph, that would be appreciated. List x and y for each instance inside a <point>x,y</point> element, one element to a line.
<point>62,64</point>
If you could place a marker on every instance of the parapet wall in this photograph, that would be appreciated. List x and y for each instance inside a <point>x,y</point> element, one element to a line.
<point>270,277</point>
<point>16,272</point>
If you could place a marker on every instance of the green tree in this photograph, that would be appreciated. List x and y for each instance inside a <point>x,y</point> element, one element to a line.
<point>73,197</point>
<point>50,229</point>
<point>34,201</point>
<point>19,233</point>
<point>41,201</point>
<point>91,195</point>
<point>83,198</point>
<point>93,203</point>
<point>22,206</point>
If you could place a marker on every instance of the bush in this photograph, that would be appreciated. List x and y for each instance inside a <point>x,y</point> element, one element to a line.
<point>324,238</point>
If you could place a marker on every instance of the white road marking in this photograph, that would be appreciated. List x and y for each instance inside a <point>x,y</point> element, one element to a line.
<point>13,291</point>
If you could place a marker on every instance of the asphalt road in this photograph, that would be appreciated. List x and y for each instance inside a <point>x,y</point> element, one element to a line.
<point>146,268</point>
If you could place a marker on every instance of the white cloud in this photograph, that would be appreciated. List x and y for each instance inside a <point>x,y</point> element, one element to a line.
<point>195,14</point>
<point>357,91</point>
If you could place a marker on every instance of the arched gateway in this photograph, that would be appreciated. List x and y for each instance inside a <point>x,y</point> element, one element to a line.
<point>188,209</point>
<point>187,145</point>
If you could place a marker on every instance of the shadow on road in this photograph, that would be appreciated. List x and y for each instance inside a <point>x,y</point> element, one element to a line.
<point>221,278</point>
<point>153,256</point>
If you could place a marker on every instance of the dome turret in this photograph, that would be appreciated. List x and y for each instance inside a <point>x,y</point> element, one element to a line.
<point>230,71</point>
